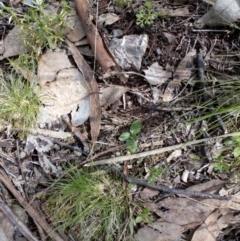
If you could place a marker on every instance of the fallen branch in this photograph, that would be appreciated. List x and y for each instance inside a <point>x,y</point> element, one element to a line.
<point>16,222</point>
<point>156,151</point>
<point>29,208</point>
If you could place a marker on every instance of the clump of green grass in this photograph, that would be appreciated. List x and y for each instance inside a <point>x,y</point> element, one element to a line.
<point>93,204</point>
<point>40,28</point>
<point>19,102</point>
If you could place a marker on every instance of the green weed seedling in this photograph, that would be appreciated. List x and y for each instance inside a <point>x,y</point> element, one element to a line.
<point>233,146</point>
<point>130,138</point>
<point>146,14</point>
<point>144,216</point>
<point>41,29</point>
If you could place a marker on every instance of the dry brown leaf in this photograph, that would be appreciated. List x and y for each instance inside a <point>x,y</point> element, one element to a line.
<point>159,231</point>
<point>13,44</point>
<point>185,67</point>
<point>212,226</point>
<point>148,193</point>
<point>63,91</point>
<point>111,94</point>
<point>155,75</point>
<point>96,41</point>
<point>181,211</point>
<point>108,18</point>
<point>95,111</point>
<point>210,187</point>
<point>74,30</point>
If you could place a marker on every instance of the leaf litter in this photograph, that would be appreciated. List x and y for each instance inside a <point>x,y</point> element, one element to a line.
<point>75,93</point>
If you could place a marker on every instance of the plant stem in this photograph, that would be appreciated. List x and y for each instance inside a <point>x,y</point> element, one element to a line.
<point>156,151</point>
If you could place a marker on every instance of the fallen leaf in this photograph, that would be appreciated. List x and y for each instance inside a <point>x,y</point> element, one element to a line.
<point>159,231</point>
<point>129,50</point>
<point>74,30</point>
<point>185,67</point>
<point>64,90</point>
<point>223,12</point>
<point>95,111</point>
<point>155,75</point>
<point>212,226</point>
<point>108,18</point>
<point>111,94</point>
<point>13,44</point>
<point>148,193</point>
<point>181,211</point>
<point>212,186</point>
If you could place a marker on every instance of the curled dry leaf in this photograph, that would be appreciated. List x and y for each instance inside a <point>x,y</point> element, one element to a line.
<point>223,12</point>
<point>155,75</point>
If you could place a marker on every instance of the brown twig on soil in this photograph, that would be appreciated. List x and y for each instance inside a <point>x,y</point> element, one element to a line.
<point>156,151</point>
<point>76,132</point>
<point>29,208</point>
<point>16,222</point>
<point>174,191</point>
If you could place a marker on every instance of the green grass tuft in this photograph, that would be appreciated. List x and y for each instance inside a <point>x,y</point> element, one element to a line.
<point>19,103</point>
<point>93,205</point>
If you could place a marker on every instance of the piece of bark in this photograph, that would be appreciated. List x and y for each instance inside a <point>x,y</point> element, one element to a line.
<point>96,41</point>
<point>95,111</point>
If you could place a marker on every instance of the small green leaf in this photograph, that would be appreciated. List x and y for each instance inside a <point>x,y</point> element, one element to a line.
<point>229,142</point>
<point>194,157</point>
<point>236,152</point>
<point>149,220</point>
<point>148,4</point>
<point>124,136</point>
<point>136,127</point>
<point>131,146</point>
<point>138,219</point>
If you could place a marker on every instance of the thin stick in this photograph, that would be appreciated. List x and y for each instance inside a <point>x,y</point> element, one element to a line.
<point>156,151</point>
<point>174,191</point>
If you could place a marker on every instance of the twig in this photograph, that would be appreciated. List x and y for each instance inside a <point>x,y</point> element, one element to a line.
<point>16,222</point>
<point>174,191</point>
<point>76,132</point>
<point>29,208</point>
<point>156,151</point>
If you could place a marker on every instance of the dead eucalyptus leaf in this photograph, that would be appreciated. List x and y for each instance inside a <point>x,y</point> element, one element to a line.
<point>108,18</point>
<point>111,94</point>
<point>223,12</point>
<point>181,211</point>
<point>63,90</point>
<point>155,75</point>
<point>13,44</point>
<point>159,231</point>
<point>212,226</point>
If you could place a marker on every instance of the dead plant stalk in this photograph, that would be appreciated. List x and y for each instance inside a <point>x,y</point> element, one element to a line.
<point>157,151</point>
